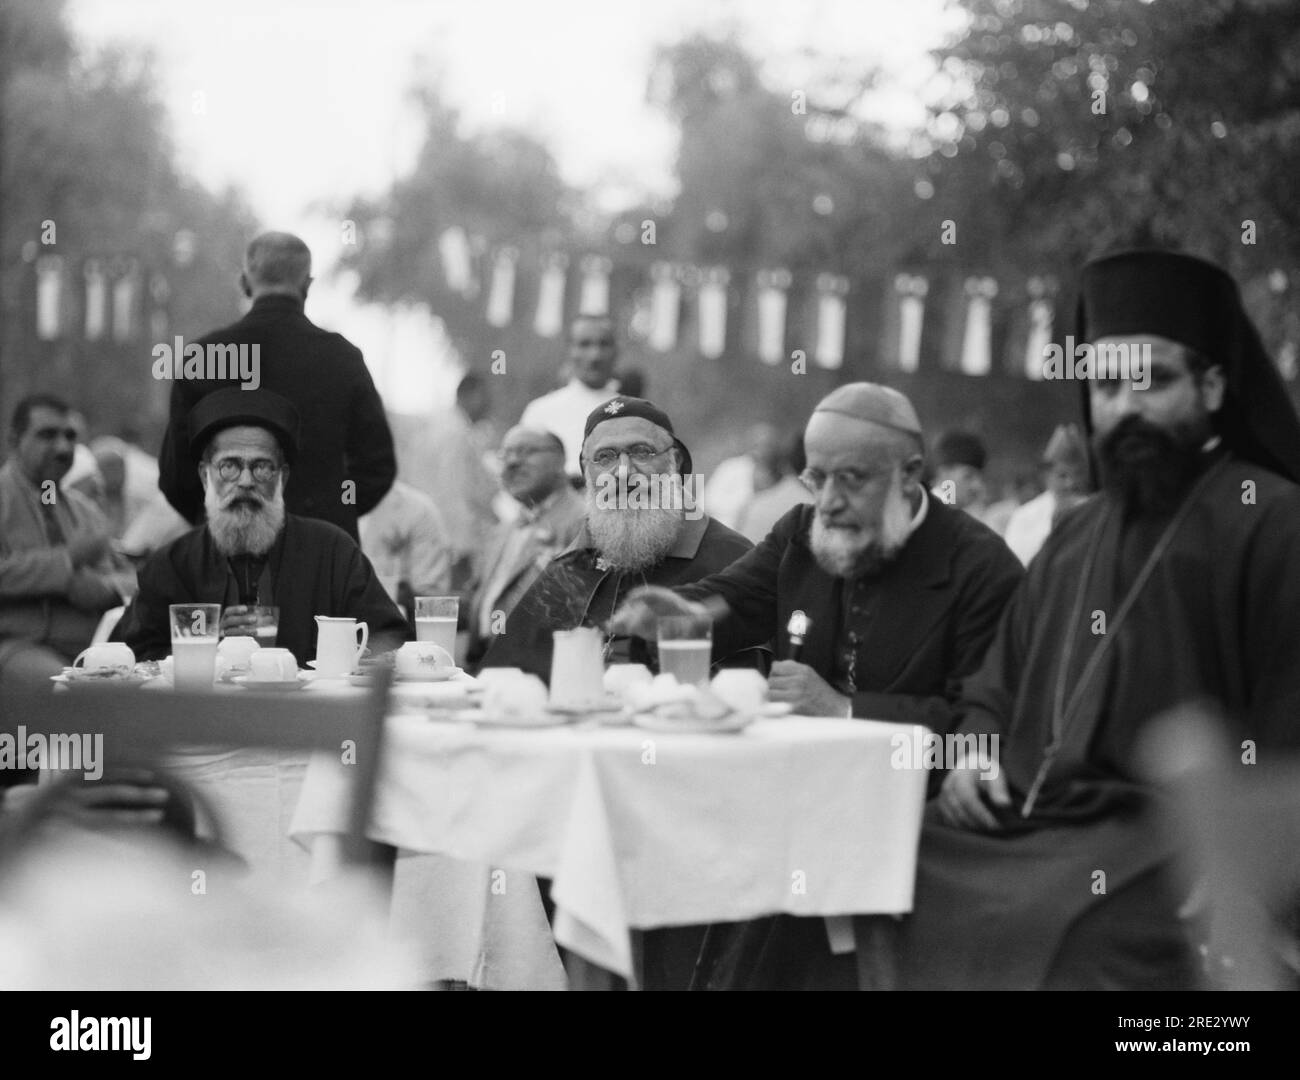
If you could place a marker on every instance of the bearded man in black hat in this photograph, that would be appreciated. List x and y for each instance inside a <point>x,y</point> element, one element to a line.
<point>250,551</point>
<point>1177,582</point>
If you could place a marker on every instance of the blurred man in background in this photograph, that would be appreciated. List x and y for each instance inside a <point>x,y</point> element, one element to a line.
<point>447,458</point>
<point>959,459</point>
<point>405,538</point>
<point>1065,472</point>
<point>347,461</point>
<point>593,354</point>
<point>57,571</point>
<point>550,516</point>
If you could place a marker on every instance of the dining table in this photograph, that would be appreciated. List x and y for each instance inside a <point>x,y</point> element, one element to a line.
<point>635,828</point>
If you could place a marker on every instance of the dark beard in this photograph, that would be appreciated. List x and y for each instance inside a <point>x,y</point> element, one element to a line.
<point>1150,468</point>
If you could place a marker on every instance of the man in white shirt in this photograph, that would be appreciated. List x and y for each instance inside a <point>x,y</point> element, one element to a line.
<point>593,352</point>
<point>1065,470</point>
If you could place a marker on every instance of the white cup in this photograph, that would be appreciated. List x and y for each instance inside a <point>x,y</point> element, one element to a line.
<point>115,655</point>
<point>744,689</point>
<point>273,665</point>
<point>423,658</point>
<point>237,650</point>
<point>620,679</point>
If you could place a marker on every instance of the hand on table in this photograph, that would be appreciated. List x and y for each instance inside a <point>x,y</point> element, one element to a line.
<point>807,693</point>
<point>238,620</point>
<point>962,798</point>
<point>125,798</point>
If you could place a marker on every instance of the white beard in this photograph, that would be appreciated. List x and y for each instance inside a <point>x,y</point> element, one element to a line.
<point>244,530</point>
<point>849,553</point>
<point>632,539</point>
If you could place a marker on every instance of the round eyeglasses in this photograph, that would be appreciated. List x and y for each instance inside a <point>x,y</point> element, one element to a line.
<point>232,468</point>
<point>641,454</point>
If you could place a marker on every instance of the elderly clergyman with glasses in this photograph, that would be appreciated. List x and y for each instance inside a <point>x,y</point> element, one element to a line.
<point>643,527</point>
<point>900,594</point>
<point>250,551</point>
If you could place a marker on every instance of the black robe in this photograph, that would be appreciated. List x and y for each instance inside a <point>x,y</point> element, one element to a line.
<point>576,590</point>
<point>313,569</point>
<point>1217,621</point>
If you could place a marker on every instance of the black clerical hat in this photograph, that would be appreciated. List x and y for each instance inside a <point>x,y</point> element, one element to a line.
<point>1196,303</point>
<point>623,406</point>
<point>235,406</point>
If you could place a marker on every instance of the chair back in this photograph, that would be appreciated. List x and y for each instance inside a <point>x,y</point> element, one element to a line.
<point>139,726</point>
<point>1238,824</point>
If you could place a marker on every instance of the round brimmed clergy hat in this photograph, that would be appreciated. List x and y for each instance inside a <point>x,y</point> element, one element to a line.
<point>234,407</point>
<point>623,406</point>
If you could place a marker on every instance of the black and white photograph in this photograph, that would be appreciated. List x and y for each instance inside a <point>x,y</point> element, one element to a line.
<point>702,495</point>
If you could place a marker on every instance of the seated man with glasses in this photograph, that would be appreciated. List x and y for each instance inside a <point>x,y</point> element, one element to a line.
<point>643,527</point>
<point>550,516</point>
<point>250,552</point>
<point>902,595</point>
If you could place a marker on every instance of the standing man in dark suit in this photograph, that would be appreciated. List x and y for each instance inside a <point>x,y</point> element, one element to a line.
<point>903,594</point>
<point>346,462</point>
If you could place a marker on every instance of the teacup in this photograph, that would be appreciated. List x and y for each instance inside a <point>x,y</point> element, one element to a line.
<point>112,655</point>
<point>237,650</point>
<point>621,678</point>
<point>423,658</point>
<point>273,665</point>
<point>744,689</point>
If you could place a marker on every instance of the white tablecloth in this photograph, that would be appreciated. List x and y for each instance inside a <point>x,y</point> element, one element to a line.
<point>639,829</point>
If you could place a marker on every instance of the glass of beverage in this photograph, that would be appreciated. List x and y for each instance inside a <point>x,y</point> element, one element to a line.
<point>196,630</point>
<point>685,648</point>
<point>435,620</point>
<point>268,624</point>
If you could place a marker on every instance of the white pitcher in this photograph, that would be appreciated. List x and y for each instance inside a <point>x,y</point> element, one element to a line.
<point>338,651</point>
<point>577,669</point>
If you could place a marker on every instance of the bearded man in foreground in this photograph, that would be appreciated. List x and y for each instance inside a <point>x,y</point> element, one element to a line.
<point>902,594</point>
<point>250,551</point>
<point>643,527</point>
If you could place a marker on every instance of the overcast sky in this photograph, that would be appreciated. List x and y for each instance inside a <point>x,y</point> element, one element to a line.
<point>299,102</point>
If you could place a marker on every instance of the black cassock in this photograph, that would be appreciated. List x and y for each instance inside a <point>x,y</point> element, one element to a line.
<point>1083,891</point>
<point>314,568</point>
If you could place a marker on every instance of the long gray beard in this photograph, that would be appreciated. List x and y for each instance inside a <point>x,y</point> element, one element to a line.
<point>632,539</point>
<point>243,530</point>
<point>848,554</point>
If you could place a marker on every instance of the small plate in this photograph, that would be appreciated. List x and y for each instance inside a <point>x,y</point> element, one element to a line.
<point>672,726</point>
<point>81,677</point>
<point>434,675</point>
<point>249,683</point>
<point>544,719</point>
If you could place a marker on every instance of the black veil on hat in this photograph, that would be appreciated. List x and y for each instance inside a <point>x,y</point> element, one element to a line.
<point>1196,303</point>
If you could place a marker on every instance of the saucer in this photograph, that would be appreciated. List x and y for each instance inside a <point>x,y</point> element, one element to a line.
<point>732,722</point>
<point>249,683</point>
<point>544,719</point>
<point>432,675</point>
